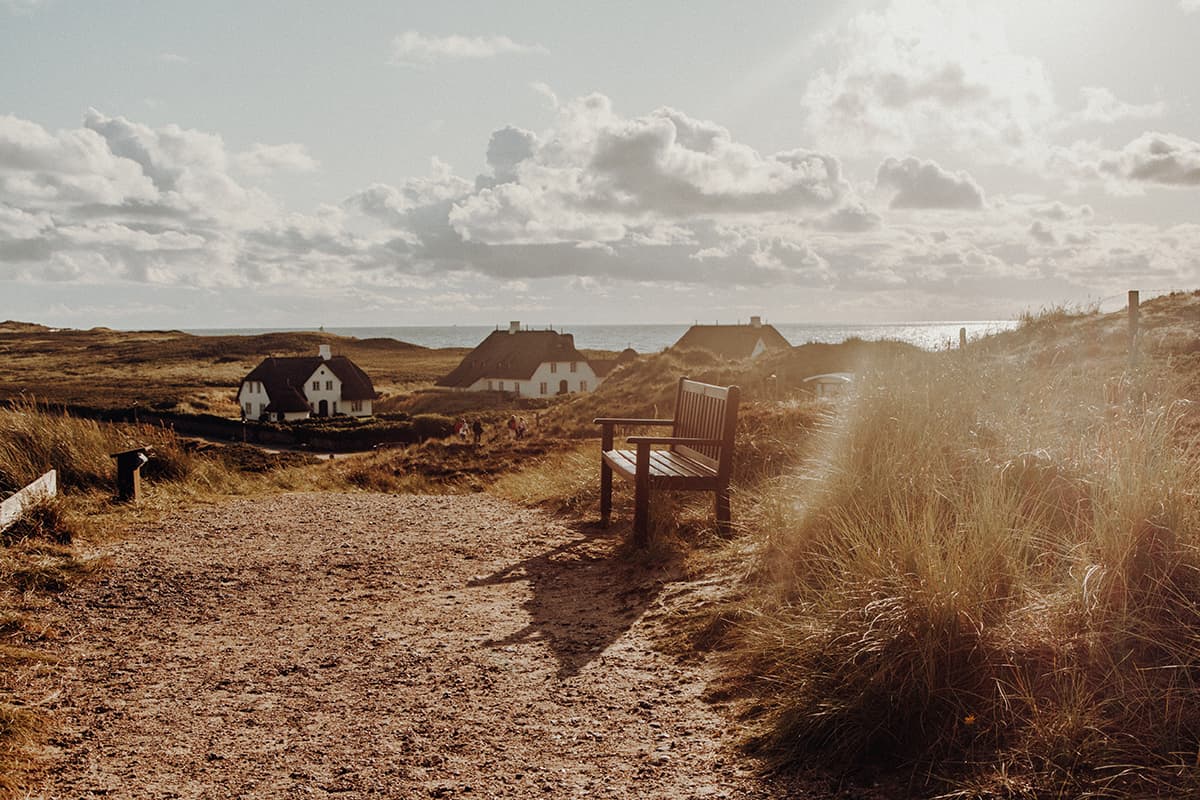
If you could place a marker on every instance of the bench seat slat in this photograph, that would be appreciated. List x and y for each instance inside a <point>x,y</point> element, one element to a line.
<point>666,467</point>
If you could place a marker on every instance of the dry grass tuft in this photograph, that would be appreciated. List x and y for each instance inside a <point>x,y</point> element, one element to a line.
<point>987,573</point>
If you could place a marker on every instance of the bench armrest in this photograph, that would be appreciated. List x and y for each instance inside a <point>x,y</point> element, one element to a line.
<point>683,440</point>
<point>608,423</point>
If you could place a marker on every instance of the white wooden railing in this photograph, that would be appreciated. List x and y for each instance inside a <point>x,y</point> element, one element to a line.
<point>12,508</point>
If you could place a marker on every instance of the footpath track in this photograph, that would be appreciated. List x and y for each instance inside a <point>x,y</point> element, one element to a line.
<point>358,645</point>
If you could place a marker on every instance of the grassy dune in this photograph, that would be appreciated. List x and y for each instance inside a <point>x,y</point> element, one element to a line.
<point>985,578</point>
<point>978,577</point>
<point>172,370</point>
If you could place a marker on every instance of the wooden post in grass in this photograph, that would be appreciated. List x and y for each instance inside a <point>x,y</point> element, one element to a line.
<point>962,339</point>
<point>1133,327</point>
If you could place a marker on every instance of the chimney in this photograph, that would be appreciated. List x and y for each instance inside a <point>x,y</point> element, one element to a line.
<point>756,322</point>
<point>325,352</point>
<point>514,326</point>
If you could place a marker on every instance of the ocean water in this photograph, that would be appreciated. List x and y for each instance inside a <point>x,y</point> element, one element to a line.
<point>653,338</point>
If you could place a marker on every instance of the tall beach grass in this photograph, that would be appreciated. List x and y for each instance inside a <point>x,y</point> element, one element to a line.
<point>988,574</point>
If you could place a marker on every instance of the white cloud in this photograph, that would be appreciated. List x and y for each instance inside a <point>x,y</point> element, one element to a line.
<point>1162,159</point>
<point>924,184</point>
<point>69,165</point>
<point>931,74</point>
<point>597,174</point>
<point>1189,6</point>
<point>650,204</point>
<point>1102,106</point>
<point>262,159</point>
<point>414,49</point>
<point>173,58</point>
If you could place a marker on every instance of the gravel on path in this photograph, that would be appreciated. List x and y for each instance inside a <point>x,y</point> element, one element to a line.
<point>359,645</point>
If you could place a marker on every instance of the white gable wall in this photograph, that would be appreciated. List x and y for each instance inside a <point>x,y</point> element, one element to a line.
<point>324,385</point>
<point>252,397</point>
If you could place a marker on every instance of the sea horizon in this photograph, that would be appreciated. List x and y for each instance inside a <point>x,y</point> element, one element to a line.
<point>648,338</point>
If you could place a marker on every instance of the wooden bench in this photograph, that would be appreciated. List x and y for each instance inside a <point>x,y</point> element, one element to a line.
<point>698,454</point>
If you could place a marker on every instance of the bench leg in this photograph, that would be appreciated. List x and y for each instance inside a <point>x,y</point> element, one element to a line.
<point>605,492</point>
<point>641,513</point>
<point>724,521</point>
<point>641,496</point>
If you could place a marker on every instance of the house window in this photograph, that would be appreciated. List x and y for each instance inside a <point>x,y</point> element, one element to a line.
<point>249,409</point>
<point>572,366</point>
<point>489,386</point>
<point>262,409</point>
<point>329,386</point>
<point>517,388</point>
<point>583,386</point>
<point>316,386</point>
<point>502,386</point>
<point>356,405</point>
<point>553,367</point>
<point>542,387</point>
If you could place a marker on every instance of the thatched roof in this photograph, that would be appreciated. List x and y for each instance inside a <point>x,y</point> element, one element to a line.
<point>512,355</point>
<point>731,341</point>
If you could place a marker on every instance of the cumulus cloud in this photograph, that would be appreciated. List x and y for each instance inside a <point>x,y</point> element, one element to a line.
<point>392,205</point>
<point>1161,158</point>
<point>415,49</point>
<point>1102,106</point>
<point>1058,212</point>
<point>1154,158</point>
<point>853,217</point>
<point>597,173</point>
<point>262,159</point>
<point>924,184</point>
<point>654,204</point>
<point>934,73</point>
<point>75,165</point>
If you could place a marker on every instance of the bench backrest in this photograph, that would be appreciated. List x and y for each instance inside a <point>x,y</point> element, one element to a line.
<point>704,411</point>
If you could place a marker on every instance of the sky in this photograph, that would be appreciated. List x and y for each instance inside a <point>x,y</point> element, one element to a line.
<point>278,163</point>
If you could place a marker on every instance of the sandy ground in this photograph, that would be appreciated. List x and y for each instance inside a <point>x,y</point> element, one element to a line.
<point>315,645</point>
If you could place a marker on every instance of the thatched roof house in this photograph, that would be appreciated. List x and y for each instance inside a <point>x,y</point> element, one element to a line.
<point>733,341</point>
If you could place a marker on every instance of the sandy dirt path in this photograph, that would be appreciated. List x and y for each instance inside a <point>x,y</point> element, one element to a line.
<point>316,645</point>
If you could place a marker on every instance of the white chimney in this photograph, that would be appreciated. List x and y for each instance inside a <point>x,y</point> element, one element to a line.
<point>756,322</point>
<point>514,326</point>
<point>325,352</point>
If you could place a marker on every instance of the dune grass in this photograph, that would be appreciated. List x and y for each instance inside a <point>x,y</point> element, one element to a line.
<point>988,575</point>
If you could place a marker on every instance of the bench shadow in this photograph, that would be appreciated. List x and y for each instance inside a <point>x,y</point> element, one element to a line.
<point>584,594</point>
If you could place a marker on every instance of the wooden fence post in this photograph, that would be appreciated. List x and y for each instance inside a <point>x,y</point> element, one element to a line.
<point>962,338</point>
<point>1133,327</point>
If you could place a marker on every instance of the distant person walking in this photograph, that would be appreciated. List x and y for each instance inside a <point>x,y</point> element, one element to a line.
<point>477,429</point>
<point>512,426</point>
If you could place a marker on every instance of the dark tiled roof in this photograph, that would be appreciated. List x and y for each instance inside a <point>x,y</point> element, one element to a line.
<point>284,378</point>
<point>515,356</point>
<point>731,341</point>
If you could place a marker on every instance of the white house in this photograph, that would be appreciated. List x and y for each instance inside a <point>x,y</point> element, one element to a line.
<point>733,341</point>
<point>297,387</point>
<point>525,362</point>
